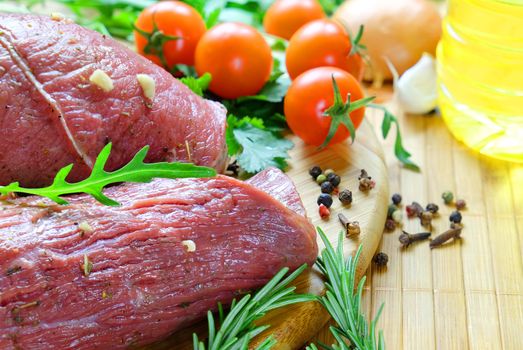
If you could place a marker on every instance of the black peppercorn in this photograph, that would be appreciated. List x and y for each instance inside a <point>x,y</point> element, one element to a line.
<point>315,171</point>
<point>396,198</point>
<point>455,217</point>
<point>334,179</point>
<point>433,208</point>
<point>325,199</point>
<point>345,196</point>
<point>381,259</point>
<point>327,187</point>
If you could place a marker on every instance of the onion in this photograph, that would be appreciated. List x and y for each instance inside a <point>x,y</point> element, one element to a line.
<point>400,30</point>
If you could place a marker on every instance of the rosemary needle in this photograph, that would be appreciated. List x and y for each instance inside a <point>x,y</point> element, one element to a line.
<point>237,328</point>
<point>343,301</point>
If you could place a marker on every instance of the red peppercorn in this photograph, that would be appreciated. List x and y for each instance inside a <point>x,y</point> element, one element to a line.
<point>324,211</point>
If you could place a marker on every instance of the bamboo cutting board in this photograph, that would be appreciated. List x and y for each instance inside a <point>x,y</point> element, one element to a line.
<point>294,325</point>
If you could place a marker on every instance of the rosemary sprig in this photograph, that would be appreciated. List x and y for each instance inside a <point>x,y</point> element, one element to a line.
<point>237,329</point>
<point>134,171</point>
<point>343,302</point>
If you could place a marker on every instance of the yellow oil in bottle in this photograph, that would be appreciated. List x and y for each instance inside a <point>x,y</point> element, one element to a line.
<point>480,72</point>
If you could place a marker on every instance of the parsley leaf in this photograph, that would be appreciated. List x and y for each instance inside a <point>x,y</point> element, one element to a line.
<point>197,85</point>
<point>255,146</point>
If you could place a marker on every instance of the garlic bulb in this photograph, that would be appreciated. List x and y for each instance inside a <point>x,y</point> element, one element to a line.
<point>417,87</point>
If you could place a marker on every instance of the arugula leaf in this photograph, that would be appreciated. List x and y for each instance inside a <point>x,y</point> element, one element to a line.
<point>134,171</point>
<point>401,153</point>
<point>197,85</point>
<point>256,147</point>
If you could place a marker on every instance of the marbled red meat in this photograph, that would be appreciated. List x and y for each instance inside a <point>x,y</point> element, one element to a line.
<point>51,115</point>
<point>144,284</point>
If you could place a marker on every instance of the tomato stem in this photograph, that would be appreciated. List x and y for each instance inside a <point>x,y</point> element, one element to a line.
<point>156,39</point>
<point>340,113</point>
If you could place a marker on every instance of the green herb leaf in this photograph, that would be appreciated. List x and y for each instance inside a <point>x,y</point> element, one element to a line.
<point>134,171</point>
<point>197,85</point>
<point>343,301</point>
<point>340,112</point>
<point>237,328</point>
<point>198,5</point>
<point>256,147</point>
<point>401,153</point>
<point>260,149</point>
<point>329,6</point>
<point>273,91</point>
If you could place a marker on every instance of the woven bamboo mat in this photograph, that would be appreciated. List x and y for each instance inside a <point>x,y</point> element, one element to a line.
<point>468,294</point>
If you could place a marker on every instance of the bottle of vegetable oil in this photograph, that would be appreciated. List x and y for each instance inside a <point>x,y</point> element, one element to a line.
<point>480,71</point>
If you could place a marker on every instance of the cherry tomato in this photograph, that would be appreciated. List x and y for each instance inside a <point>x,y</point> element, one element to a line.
<point>319,43</point>
<point>238,58</point>
<point>284,17</point>
<point>174,19</point>
<point>310,95</point>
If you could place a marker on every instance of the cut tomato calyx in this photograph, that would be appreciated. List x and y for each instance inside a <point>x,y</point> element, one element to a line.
<point>340,112</point>
<point>156,39</point>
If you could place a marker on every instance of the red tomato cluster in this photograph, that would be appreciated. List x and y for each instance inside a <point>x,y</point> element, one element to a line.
<point>240,61</point>
<point>236,55</point>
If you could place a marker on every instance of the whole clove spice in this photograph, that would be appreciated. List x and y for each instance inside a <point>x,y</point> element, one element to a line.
<point>445,236</point>
<point>352,228</point>
<point>407,239</point>
<point>366,182</point>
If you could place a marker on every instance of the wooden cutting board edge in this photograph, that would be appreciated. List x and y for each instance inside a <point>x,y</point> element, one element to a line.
<point>293,326</point>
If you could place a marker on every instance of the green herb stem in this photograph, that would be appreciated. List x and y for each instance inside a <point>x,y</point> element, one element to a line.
<point>236,329</point>
<point>401,153</point>
<point>343,300</point>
